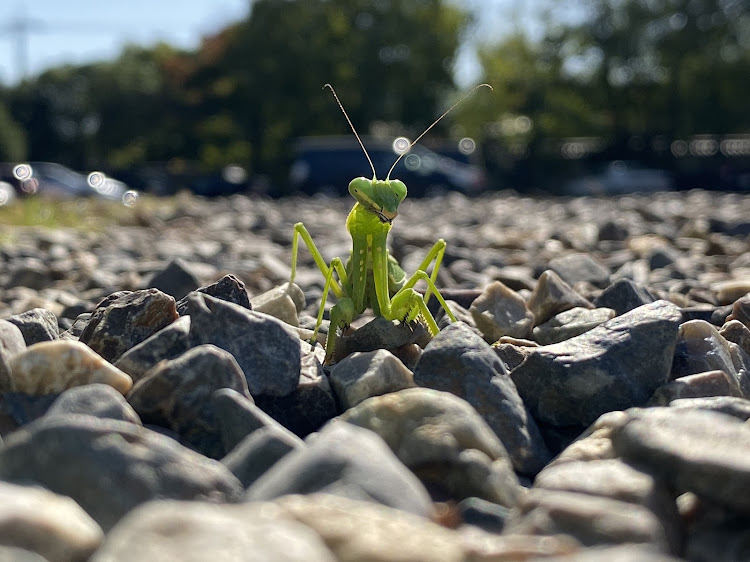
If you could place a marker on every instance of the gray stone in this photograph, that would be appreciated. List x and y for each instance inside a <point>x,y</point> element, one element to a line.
<point>259,451</point>
<point>363,375</point>
<point>710,383</point>
<point>500,311</point>
<point>176,279</point>
<point>53,526</point>
<point>283,302</point>
<point>199,531</point>
<point>380,333</point>
<point>591,520</point>
<point>108,467</point>
<point>612,367</point>
<point>238,417</point>
<point>551,296</point>
<point>571,323</point>
<point>736,332</point>
<point>349,461</point>
<point>462,363</point>
<point>124,320</point>
<point>100,400</point>
<point>267,350</point>
<point>443,440</point>
<point>228,288</point>
<point>730,405</point>
<point>701,348</point>
<point>176,394</point>
<point>36,325</point>
<point>698,451</point>
<point>309,406</point>
<point>11,343</point>
<point>168,343</point>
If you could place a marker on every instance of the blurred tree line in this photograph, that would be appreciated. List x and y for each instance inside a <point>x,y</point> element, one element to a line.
<point>646,69</point>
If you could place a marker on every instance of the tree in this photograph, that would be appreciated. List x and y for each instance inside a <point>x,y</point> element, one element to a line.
<point>12,137</point>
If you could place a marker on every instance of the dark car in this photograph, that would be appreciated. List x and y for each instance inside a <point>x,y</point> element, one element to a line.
<point>330,163</point>
<point>50,179</point>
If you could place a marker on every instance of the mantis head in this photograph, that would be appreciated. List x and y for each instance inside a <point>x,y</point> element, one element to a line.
<point>382,197</point>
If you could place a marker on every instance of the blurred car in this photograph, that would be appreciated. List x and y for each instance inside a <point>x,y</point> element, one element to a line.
<point>619,177</point>
<point>330,163</point>
<point>55,180</point>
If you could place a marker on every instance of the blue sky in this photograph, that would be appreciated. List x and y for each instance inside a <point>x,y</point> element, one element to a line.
<point>81,31</point>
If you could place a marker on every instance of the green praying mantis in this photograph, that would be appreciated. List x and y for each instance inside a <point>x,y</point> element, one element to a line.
<point>371,277</point>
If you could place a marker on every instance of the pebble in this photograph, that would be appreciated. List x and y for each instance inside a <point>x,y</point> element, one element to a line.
<point>552,443</point>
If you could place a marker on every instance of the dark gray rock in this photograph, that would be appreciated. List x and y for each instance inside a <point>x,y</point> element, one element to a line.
<point>258,452</point>
<point>571,323</point>
<point>168,343</point>
<point>459,361</point>
<point>32,273</point>
<point>698,451</point>
<point>266,349</point>
<point>725,540</point>
<point>77,328</point>
<point>36,325</point>
<point>11,343</point>
<point>623,296</point>
<point>175,279</point>
<point>348,461</point>
<point>483,514</point>
<point>99,400</point>
<point>108,467</point>
<point>238,417</point>
<point>309,406</point>
<point>176,394</point>
<point>122,321</point>
<point>228,288</point>
<point>612,367</point>
<point>18,409</point>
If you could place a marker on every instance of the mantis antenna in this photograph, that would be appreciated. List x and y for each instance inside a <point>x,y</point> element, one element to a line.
<point>374,174</point>
<point>415,141</point>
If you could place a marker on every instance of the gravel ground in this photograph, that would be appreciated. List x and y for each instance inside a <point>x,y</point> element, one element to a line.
<point>160,399</point>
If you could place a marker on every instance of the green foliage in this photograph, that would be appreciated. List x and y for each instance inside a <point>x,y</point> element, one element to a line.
<point>12,137</point>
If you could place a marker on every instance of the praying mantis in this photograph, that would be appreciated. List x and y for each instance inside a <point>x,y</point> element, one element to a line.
<point>371,277</point>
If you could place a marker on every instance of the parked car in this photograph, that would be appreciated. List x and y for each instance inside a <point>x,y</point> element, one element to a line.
<point>330,163</point>
<point>618,177</point>
<point>50,179</point>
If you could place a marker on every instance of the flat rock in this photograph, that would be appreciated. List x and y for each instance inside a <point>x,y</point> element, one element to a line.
<point>363,375</point>
<point>571,323</point>
<point>499,311</point>
<point>698,451</point>
<point>197,531</point>
<point>176,394</point>
<point>710,383</point>
<point>109,467</point>
<point>348,461</point>
<point>443,440</point>
<point>460,362</point>
<point>617,365</point>
<point>266,349</point>
<point>380,333</point>
<point>125,320</point>
<point>54,366</point>
<point>577,268</point>
<point>591,520</point>
<point>730,405</point>
<point>623,296</point>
